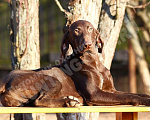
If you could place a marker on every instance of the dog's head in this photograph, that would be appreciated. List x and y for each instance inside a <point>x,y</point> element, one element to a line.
<point>82,36</point>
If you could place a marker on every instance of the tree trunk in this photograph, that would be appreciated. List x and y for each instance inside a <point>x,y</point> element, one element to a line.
<point>110,23</point>
<point>24,36</point>
<point>132,70</point>
<point>108,17</point>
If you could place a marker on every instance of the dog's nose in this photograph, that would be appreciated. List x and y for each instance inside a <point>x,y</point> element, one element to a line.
<point>87,44</point>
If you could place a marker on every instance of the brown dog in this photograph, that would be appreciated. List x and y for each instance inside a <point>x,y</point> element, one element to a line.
<point>81,76</point>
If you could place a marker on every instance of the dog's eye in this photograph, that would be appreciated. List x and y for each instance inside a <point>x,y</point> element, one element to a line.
<point>90,29</point>
<point>77,32</point>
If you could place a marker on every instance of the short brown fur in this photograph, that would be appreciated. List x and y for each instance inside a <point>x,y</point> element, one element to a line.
<point>81,75</point>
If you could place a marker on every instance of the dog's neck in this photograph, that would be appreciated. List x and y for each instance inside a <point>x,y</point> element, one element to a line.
<point>85,67</point>
<point>89,59</point>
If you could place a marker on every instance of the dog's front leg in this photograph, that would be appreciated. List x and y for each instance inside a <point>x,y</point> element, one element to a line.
<point>105,98</point>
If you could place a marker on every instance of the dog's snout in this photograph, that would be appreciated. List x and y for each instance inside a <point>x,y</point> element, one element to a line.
<point>87,44</point>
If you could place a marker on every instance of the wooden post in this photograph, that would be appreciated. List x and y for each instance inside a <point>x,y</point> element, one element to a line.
<point>126,116</point>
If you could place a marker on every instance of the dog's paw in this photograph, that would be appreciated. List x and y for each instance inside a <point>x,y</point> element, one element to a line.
<point>72,101</point>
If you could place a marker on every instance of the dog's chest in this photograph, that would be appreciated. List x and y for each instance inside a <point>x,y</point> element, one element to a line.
<point>96,76</point>
<point>89,75</point>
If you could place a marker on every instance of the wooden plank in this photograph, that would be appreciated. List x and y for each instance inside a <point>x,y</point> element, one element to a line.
<point>126,116</point>
<point>74,110</point>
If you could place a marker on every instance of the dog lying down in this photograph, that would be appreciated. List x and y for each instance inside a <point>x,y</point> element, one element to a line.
<point>80,80</point>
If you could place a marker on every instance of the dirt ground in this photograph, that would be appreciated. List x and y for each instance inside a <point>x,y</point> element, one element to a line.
<point>102,116</point>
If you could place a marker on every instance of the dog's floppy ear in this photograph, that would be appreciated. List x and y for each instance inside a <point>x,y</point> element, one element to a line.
<point>99,41</point>
<point>65,44</point>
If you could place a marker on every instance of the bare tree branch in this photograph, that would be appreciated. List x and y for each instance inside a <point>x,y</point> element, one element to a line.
<point>117,9</point>
<point>61,8</point>
<point>139,7</point>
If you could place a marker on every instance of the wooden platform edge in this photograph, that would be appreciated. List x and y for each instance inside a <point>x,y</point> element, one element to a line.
<point>74,110</point>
